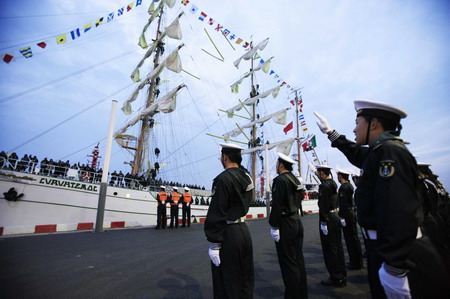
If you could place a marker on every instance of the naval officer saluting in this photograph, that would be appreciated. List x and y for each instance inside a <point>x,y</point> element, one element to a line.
<point>287,228</point>
<point>401,262</point>
<point>230,248</point>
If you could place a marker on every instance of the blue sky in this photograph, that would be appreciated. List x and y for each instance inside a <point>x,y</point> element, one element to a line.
<point>338,51</point>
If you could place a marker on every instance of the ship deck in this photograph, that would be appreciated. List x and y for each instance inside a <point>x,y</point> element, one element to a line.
<point>148,263</point>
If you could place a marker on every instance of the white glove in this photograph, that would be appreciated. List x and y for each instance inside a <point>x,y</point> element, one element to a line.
<point>324,228</point>
<point>343,223</point>
<point>275,232</point>
<point>323,123</point>
<point>395,287</point>
<point>214,253</point>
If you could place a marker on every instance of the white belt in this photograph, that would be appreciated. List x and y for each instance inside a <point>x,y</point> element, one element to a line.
<point>239,220</point>
<point>371,234</point>
<point>334,211</point>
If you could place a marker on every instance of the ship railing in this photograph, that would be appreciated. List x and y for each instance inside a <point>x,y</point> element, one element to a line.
<point>58,171</point>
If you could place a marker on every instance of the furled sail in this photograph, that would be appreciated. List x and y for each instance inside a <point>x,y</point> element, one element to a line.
<point>172,62</point>
<point>278,117</point>
<point>262,66</point>
<point>283,146</point>
<point>166,104</point>
<point>153,14</point>
<point>251,52</point>
<point>250,101</point>
<point>172,31</point>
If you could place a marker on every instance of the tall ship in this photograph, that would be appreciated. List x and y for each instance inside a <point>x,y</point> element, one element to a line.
<point>47,196</point>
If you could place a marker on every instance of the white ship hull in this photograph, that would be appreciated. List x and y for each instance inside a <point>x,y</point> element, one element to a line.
<point>52,204</point>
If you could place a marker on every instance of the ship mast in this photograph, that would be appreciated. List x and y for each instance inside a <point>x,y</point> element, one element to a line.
<point>144,132</point>
<point>253,141</point>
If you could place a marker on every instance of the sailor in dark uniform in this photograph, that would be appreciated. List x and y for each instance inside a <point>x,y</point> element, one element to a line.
<point>436,212</point>
<point>287,228</point>
<point>348,220</point>
<point>401,261</point>
<point>230,249</point>
<point>330,229</point>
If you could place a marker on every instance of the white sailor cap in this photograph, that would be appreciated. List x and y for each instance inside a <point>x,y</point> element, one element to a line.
<point>162,187</point>
<point>356,173</point>
<point>343,171</point>
<point>286,158</point>
<point>231,146</point>
<point>379,109</point>
<point>322,166</point>
<point>186,188</point>
<point>175,188</point>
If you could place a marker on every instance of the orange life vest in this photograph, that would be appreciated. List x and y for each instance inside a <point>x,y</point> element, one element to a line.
<point>187,197</point>
<point>162,197</point>
<point>175,198</point>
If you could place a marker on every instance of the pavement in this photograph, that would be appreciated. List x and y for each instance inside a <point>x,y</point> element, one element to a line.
<point>149,263</point>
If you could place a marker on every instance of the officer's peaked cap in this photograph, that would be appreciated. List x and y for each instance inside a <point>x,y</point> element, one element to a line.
<point>162,187</point>
<point>379,109</point>
<point>175,188</point>
<point>286,158</point>
<point>343,171</point>
<point>186,188</point>
<point>230,147</point>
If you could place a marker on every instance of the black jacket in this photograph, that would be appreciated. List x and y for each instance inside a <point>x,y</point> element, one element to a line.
<point>387,196</point>
<point>231,198</point>
<point>284,189</point>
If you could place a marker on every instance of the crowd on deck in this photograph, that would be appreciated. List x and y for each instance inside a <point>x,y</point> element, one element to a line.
<point>83,172</point>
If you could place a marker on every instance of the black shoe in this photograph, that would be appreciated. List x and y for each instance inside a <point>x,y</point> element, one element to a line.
<point>156,227</point>
<point>350,266</point>
<point>334,283</point>
<point>183,226</point>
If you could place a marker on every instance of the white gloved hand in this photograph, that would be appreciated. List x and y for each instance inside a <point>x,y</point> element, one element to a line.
<point>324,228</point>
<point>395,287</point>
<point>323,123</point>
<point>214,253</point>
<point>313,168</point>
<point>343,223</point>
<point>275,233</point>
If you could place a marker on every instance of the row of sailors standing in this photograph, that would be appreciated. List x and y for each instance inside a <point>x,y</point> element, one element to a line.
<point>174,200</point>
<point>402,262</point>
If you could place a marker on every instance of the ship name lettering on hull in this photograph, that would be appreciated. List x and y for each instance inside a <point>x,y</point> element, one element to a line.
<point>65,184</point>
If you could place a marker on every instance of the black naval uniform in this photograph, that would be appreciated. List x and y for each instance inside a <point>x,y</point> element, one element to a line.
<point>231,197</point>
<point>284,215</point>
<point>350,230</point>
<point>436,222</point>
<point>333,252</point>
<point>389,209</point>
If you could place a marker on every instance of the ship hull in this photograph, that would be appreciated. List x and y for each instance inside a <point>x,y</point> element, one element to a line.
<point>52,204</point>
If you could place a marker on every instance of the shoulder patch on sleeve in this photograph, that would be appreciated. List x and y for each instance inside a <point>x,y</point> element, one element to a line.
<point>387,168</point>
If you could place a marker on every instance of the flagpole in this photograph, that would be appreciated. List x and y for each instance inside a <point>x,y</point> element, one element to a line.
<point>298,136</point>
